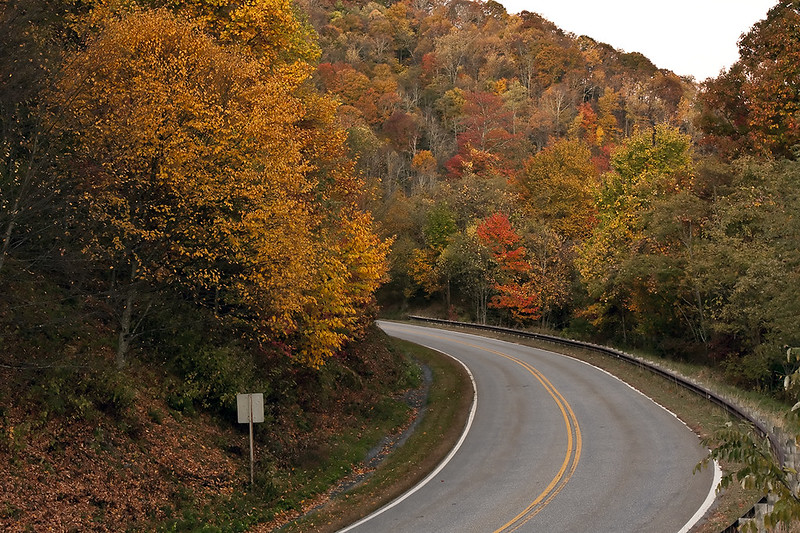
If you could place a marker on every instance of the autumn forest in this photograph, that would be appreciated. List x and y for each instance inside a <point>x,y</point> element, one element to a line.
<point>534,178</point>
<point>217,195</point>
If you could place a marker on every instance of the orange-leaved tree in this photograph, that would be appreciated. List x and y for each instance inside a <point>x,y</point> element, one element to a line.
<point>558,187</point>
<point>754,107</point>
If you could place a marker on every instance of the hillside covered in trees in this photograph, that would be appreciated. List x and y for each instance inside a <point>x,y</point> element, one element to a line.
<point>203,197</point>
<point>533,177</point>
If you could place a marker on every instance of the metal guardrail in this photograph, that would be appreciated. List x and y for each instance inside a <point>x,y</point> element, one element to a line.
<point>711,396</point>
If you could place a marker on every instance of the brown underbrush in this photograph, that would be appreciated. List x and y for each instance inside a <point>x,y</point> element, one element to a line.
<point>155,446</point>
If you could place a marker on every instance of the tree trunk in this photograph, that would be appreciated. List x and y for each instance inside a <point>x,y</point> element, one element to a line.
<point>7,237</point>
<point>15,211</point>
<point>126,321</point>
<point>624,329</point>
<point>701,315</point>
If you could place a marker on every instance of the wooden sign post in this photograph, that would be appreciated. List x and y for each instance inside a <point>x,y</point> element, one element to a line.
<point>250,410</point>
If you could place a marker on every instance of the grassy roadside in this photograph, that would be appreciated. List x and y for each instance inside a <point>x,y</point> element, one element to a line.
<point>372,402</point>
<point>700,415</point>
<point>440,427</point>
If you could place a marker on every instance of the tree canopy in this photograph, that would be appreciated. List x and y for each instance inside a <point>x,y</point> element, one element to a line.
<point>199,159</point>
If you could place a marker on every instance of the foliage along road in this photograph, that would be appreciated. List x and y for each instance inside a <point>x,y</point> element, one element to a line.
<point>554,445</point>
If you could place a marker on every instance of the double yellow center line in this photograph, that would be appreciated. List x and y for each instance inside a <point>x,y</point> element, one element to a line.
<point>574,443</point>
<point>571,458</point>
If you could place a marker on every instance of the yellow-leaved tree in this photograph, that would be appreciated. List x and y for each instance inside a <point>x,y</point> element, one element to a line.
<point>203,161</point>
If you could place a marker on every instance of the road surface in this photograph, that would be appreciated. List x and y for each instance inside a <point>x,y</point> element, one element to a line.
<point>554,445</point>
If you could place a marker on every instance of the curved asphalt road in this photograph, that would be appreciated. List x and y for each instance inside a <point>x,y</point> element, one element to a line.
<point>555,446</point>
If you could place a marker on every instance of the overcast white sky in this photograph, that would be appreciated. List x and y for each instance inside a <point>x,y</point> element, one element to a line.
<point>689,37</point>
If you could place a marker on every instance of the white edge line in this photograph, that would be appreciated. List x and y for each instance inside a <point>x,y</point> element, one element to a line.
<point>444,462</point>
<point>712,493</point>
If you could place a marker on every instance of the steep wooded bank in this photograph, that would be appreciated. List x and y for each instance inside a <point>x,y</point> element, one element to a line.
<point>155,446</point>
<point>154,153</point>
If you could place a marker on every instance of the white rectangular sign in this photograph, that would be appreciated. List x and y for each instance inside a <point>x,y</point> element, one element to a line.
<point>246,402</point>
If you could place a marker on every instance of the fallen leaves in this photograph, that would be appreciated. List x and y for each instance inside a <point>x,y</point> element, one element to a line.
<point>74,475</point>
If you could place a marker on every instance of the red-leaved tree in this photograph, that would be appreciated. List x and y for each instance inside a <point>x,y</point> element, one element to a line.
<point>516,291</point>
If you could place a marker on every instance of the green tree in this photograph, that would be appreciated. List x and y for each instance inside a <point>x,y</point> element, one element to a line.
<point>649,167</point>
<point>472,269</point>
<point>751,241</point>
<point>427,268</point>
<point>553,273</point>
